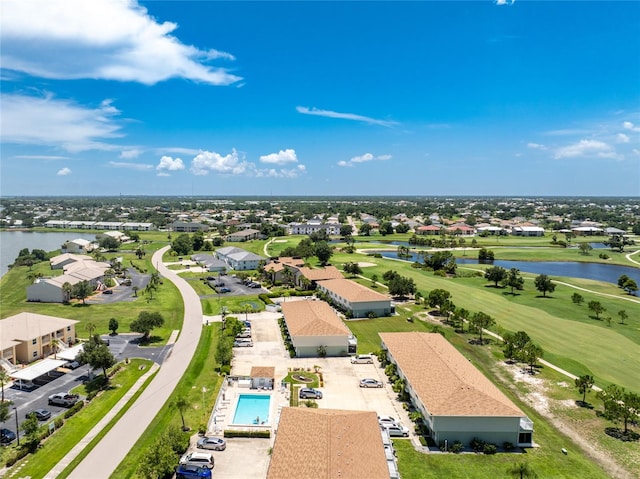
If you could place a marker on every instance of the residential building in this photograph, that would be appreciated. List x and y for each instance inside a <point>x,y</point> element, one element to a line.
<point>26,337</point>
<point>313,275</point>
<point>210,262</point>
<point>62,260</point>
<point>428,230</point>
<point>239,259</point>
<point>244,235</point>
<point>328,444</point>
<point>117,235</point>
<point>313,325</point>
<point>276,268</point>
<point>130,226</point>
<point>313,227</point>
<point>77,246</point>
<point>359,301</point>
<point>527,231</point>
<point>51,290</point>
<point>184,227</point>
<point>457,401</point>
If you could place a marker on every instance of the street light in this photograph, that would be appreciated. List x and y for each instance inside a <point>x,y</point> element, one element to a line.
<point>15,409</point>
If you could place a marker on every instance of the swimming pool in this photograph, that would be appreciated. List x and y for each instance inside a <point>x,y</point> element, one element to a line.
<point>252,409</point>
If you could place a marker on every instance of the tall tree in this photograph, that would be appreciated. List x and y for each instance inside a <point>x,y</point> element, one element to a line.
<point>623,316</point>
<point>585,249</point>
<point>323,252</point>
<point>4,379</point>
<point>597,308</point>
<point>481,321</point>
<point>577,298</point>
<point>438,297</point>
<point>146,322</point>
<point>181,404</point>
<point>620,404</point>
<point>365,229</point>
<point>531,353</point>
<point>182,245</point>
<point>97,354</point>
<point>82,290</point>
<point>544,284</point>
<point>584,384</point>
<point>485,254</point>
<point>495,274</point>
<point>513,280</point>
<point>113,325</point>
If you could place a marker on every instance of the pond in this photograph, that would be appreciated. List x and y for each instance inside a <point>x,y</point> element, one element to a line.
<point>597,271</point>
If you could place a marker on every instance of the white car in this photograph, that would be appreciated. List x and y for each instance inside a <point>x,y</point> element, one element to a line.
<point>370,383</point>
<point>397,430</point>
<point>362,359</point>
<point>202,459</point>
<point>387,420</point>
<point>240,343</point>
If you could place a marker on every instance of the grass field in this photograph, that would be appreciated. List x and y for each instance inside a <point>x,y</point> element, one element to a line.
<point>75,428</point>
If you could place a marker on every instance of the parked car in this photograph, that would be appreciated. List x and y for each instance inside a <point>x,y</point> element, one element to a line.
<point>202,459</point>
<point>191,471</point>
<point>71,365</point>
<point>384,420</point>
<point>7,436</point>
<point>244,335</point>
<point>224,290</point>
<point>310,393</point>
<point>213,443</point>
<point>255,285</point>
<point>397,430</point>
<point>107,291</point>
<point>242,344</point>
<point>40,414</point>
<point>63,399</point>
<point>370,383</point>
<point>247,324</point>
<point>362,359</point>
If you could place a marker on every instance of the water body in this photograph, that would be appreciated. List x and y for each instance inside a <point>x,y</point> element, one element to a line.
<point>11,242</point>
<point>597,271</point>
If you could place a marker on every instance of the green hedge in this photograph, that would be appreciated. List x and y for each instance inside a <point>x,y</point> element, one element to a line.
<point>265,298</point>
<point>258,433</point>
<point>74,409</point>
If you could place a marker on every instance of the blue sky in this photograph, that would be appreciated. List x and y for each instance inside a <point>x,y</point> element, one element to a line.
<point>320,98</point>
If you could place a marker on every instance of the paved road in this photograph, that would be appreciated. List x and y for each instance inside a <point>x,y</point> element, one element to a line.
<point>103,460</point>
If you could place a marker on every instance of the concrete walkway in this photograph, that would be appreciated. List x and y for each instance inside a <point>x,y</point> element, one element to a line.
<point>103,460</point>
<point>73,453</point>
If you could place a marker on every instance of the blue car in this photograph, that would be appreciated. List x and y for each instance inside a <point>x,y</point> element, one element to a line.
<point>7,436</point>
<point>189,471</point>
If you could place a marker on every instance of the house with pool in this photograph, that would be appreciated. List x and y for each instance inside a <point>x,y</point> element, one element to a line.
<point>457,401</point>
<point>328,443</point>
<point>313,325</point>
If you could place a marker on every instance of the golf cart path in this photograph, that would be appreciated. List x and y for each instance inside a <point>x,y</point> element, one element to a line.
<point>105,457</point>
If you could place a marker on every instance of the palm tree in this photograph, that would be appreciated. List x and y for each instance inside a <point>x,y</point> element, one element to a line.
<point>181,404</point>
<point>91,327</point>
<point>135,291</point>
<point>4,379</point>
<point>522,470</point>
<point>55,345</point>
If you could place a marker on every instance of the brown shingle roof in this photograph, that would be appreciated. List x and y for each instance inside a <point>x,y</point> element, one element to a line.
<point>444,380</point>
<point>328,444</point>
<point>312,318</point>
<point>279,264</point>
<point>319,274</point>
<point>263,372</point>
<point>352,291</point>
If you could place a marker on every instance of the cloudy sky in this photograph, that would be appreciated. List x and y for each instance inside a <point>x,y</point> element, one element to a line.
<point>320,98</point>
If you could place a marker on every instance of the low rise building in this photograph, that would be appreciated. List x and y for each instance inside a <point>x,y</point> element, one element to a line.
<point>316,330</point>
<point>239,259</point>
<point>359,301</point>
<point>244,235</point>
<point>77,246</point>
<point>457,401</point>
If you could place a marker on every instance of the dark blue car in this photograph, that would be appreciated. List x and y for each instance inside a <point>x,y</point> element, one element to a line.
<point>7,436</point>
<point>188,471</point>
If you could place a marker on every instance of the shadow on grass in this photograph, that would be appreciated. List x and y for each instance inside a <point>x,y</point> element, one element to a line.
<point>584,404</point>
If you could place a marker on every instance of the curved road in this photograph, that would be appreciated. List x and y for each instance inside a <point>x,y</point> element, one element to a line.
<point>103,460</point>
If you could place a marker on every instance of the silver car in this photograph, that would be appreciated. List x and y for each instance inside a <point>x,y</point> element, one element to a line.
<point>212,443</point>
<point>370,383</point>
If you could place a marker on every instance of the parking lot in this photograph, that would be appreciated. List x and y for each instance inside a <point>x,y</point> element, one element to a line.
<point>234,285</point>
<point>341,390</point>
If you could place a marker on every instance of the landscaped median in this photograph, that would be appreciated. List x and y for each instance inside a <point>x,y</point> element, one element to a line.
<point>74,429</point>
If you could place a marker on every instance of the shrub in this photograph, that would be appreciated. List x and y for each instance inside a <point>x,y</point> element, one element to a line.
<point>58,422</point>
<point>508,446</point>
<point>260,433</point>
<point>441,273</point>
<point>15,455</point>
<point>74,409</point>
<point>457,447</point>
<point>92,395</point>
<point>226,369</point>
<point>490,449</point>
<point>177,439</point>
<point>265,299</point>
<point>310,403</point>
<point>477,444</point>
<point>423,441</point>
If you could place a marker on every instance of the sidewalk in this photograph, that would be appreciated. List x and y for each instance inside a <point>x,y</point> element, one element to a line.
<point>84,442</point>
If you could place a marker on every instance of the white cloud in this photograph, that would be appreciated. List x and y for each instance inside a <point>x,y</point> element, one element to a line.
<point>627,125</point>
<point>130,153</point>
<point>100,39</point>
<point>536,146</point>
<point>163,174</point>
<point>622,138</point>
<point>345,116</point>
<point>48,121</point>
<point>282,173</point>
<point>281,158</point>
<point>41,157</point>
<point>64,172</point>
<point>586,149</point>
<point>131,166</point>
<point>505,2</point>
<point>169,164</point>
<point>636,152</point>
<point>230,164</point>
<point>363,158</point>
<point>177,149</point>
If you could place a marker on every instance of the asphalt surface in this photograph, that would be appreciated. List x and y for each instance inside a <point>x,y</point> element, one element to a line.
<point>105,457</point>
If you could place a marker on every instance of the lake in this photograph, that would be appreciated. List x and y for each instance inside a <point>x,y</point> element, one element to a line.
<point>597,271</point>
<point>11,242</point>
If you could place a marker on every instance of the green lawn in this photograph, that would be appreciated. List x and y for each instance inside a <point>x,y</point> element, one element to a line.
<point>75,428</point>
<point>233,304</point>
<point>200,373</point>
